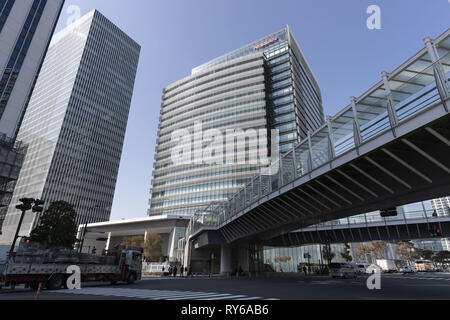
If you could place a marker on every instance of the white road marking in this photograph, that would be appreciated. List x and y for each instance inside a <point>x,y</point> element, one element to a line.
<point>157,294</point>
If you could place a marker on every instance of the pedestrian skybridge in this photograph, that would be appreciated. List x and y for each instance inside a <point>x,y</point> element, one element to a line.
<point>371,227</point>
<point>389,147</point>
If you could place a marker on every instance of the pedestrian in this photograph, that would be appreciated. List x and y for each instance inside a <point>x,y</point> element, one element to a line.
<point>305,270</point>
<point>175,271</point>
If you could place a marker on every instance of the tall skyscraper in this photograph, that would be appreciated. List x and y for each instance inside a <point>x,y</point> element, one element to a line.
<point>75,122</point>
<point>263,86</point>
<point>26,27</point>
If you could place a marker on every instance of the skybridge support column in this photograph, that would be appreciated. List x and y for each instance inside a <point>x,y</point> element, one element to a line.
<point>225,260</point>
<point>439,74</point>
<point>392,113</point>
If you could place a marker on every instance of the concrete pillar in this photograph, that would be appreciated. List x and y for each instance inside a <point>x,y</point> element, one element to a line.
<point>108,241</point>
<point>225,260</point>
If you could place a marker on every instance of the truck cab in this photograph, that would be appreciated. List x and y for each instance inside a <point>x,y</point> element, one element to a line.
<point>131,262</point>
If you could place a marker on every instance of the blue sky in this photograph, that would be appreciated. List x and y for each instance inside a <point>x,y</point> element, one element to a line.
<point>177,35</point>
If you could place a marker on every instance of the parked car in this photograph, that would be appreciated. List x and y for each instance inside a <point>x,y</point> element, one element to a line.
<point>343,270</point>
<point>408,269</point>
<point>362,268</point>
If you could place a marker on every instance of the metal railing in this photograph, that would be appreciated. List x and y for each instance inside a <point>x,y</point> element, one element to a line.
<point>394,101</point>
<point>375,217</point>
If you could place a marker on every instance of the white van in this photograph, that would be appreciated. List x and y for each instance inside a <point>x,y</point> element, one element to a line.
<point>343,270</point>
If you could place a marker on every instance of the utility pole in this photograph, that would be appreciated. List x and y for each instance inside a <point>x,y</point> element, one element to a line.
<point>82,237</point>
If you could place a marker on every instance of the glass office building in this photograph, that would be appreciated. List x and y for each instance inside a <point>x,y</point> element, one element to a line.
<point>12,154</point>
<point>26,27</point>
<point>262,86</point>
<point>75,122</point>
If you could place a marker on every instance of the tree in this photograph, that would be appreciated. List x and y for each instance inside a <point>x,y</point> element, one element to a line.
<point>404,251</point>
<point>133,241</point>
<point>153,247</point>
<point>427,254</point>
<point>379,249</point>
<point>328,254</point>
<point>362,251</point>
<point>57,227</point>
<point>442,257</point>
<point>346,254</point>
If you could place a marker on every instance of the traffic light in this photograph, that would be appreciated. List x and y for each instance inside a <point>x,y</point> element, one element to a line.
<point>37,208</point>
<point>329,238</point>
<point>435,232</point>
<point>26,204</point>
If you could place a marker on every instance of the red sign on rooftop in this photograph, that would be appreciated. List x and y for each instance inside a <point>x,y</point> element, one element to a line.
<point>265,43</point>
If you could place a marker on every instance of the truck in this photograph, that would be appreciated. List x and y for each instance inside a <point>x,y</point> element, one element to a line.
<point>34,266</point>
<point>387,265</point>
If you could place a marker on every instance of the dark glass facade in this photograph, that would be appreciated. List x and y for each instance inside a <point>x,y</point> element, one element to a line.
<point>5,9</point>
<point>9,77</point>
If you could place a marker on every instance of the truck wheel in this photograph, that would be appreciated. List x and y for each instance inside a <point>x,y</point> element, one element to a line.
<point>131,278</point>
<point>55,282</point>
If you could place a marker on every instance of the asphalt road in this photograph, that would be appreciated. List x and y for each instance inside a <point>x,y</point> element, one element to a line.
<point>393,286</point>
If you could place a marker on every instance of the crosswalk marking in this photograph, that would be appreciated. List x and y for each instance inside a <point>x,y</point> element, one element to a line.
<point>191,296</point>
<point>226,298</point>
<point>159,278</point>
<point>158,294</point>
<point>250,298</point>
<point>416,278</point>
<point>203,296</point>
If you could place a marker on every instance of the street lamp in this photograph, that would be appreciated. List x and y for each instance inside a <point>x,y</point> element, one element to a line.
<point>24,207</point>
